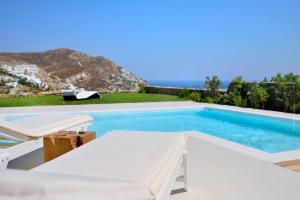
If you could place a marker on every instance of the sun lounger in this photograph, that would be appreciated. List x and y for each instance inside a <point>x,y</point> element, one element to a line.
<point>121,165</point>
<point>87,95</point>
<point>23,136</point>
<point>28,185</point>
<point>69,94</point>
<point>73,94</point>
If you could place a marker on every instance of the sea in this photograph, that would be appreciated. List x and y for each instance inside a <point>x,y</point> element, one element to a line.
<point>184,84</point>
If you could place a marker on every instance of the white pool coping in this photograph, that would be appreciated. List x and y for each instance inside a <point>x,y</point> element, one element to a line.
<point>272,157</point>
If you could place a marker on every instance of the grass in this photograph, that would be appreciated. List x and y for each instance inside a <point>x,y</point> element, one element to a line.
<point>105,99</point>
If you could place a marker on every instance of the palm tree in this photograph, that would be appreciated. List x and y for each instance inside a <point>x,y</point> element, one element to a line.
<point>212,86</point>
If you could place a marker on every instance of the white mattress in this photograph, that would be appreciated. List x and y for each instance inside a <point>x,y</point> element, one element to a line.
<point>144,158</point>
<point>44,124</point>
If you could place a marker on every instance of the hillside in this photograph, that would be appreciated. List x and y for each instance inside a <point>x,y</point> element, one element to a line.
<point>59,67</point>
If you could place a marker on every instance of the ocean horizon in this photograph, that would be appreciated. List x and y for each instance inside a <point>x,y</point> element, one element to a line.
<point>184,84</point>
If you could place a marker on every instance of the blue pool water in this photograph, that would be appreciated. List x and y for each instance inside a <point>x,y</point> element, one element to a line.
<point>260,132</point>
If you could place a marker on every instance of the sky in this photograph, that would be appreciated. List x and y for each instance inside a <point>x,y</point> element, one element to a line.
<point>163,39</point>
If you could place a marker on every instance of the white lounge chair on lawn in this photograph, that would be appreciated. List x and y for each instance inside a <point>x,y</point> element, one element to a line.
<point>20,137</point>
<point>74,94</point>
<point>120,165</point>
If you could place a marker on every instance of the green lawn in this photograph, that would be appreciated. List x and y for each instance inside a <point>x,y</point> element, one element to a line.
<point>105,98</point>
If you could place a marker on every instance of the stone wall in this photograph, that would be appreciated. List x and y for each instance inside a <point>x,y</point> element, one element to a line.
<point>173,90</point>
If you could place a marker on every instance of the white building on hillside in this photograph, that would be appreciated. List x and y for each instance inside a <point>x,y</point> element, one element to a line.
<point>28,72</point>
<point>12,84</point>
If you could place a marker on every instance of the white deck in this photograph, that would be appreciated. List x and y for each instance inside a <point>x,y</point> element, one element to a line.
<point>139,106</point>
<point>218,169</point>
<point>216,173</point>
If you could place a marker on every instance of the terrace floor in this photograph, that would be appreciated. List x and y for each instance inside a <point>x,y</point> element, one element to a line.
<point>290,164</point>
<point>216,173</point>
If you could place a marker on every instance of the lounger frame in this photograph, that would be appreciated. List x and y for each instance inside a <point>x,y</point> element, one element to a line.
<point>19,150</point>
<point>22,148</point>
<point>176,173</point>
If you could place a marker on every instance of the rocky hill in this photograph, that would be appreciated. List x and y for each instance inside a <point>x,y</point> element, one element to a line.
<point>63,66</point>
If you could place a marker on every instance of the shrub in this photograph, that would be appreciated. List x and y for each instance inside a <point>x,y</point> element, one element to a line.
<point>286,90</point>
<point>24,81</point>
<point>184,93</point>
<point>232,99</point>
<point>244,103</point>
<point>217,100</point>
<point>2,83</point>
<point>297,108</point>
<point>237,101</point>
<point>238,87</point>
<point>142,89</point>
<point>226,99</point>
<point>212,86</point>
<point>4,91</point>
<point>208,100</point>
<point>195,96</point>
<point>257,96</point>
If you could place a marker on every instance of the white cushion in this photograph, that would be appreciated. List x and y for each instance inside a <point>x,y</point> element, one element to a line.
<point>145,158</point>
<point>34,185</point>
<point>41,125</point>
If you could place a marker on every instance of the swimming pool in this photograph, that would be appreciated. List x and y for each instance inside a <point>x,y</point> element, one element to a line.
<point>260,132</point>
<point>264,133</point>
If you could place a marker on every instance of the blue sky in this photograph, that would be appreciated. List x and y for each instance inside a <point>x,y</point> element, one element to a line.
<point>163,40</point>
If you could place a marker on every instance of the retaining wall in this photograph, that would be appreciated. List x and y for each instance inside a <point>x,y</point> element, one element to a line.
<point>173,90</point>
